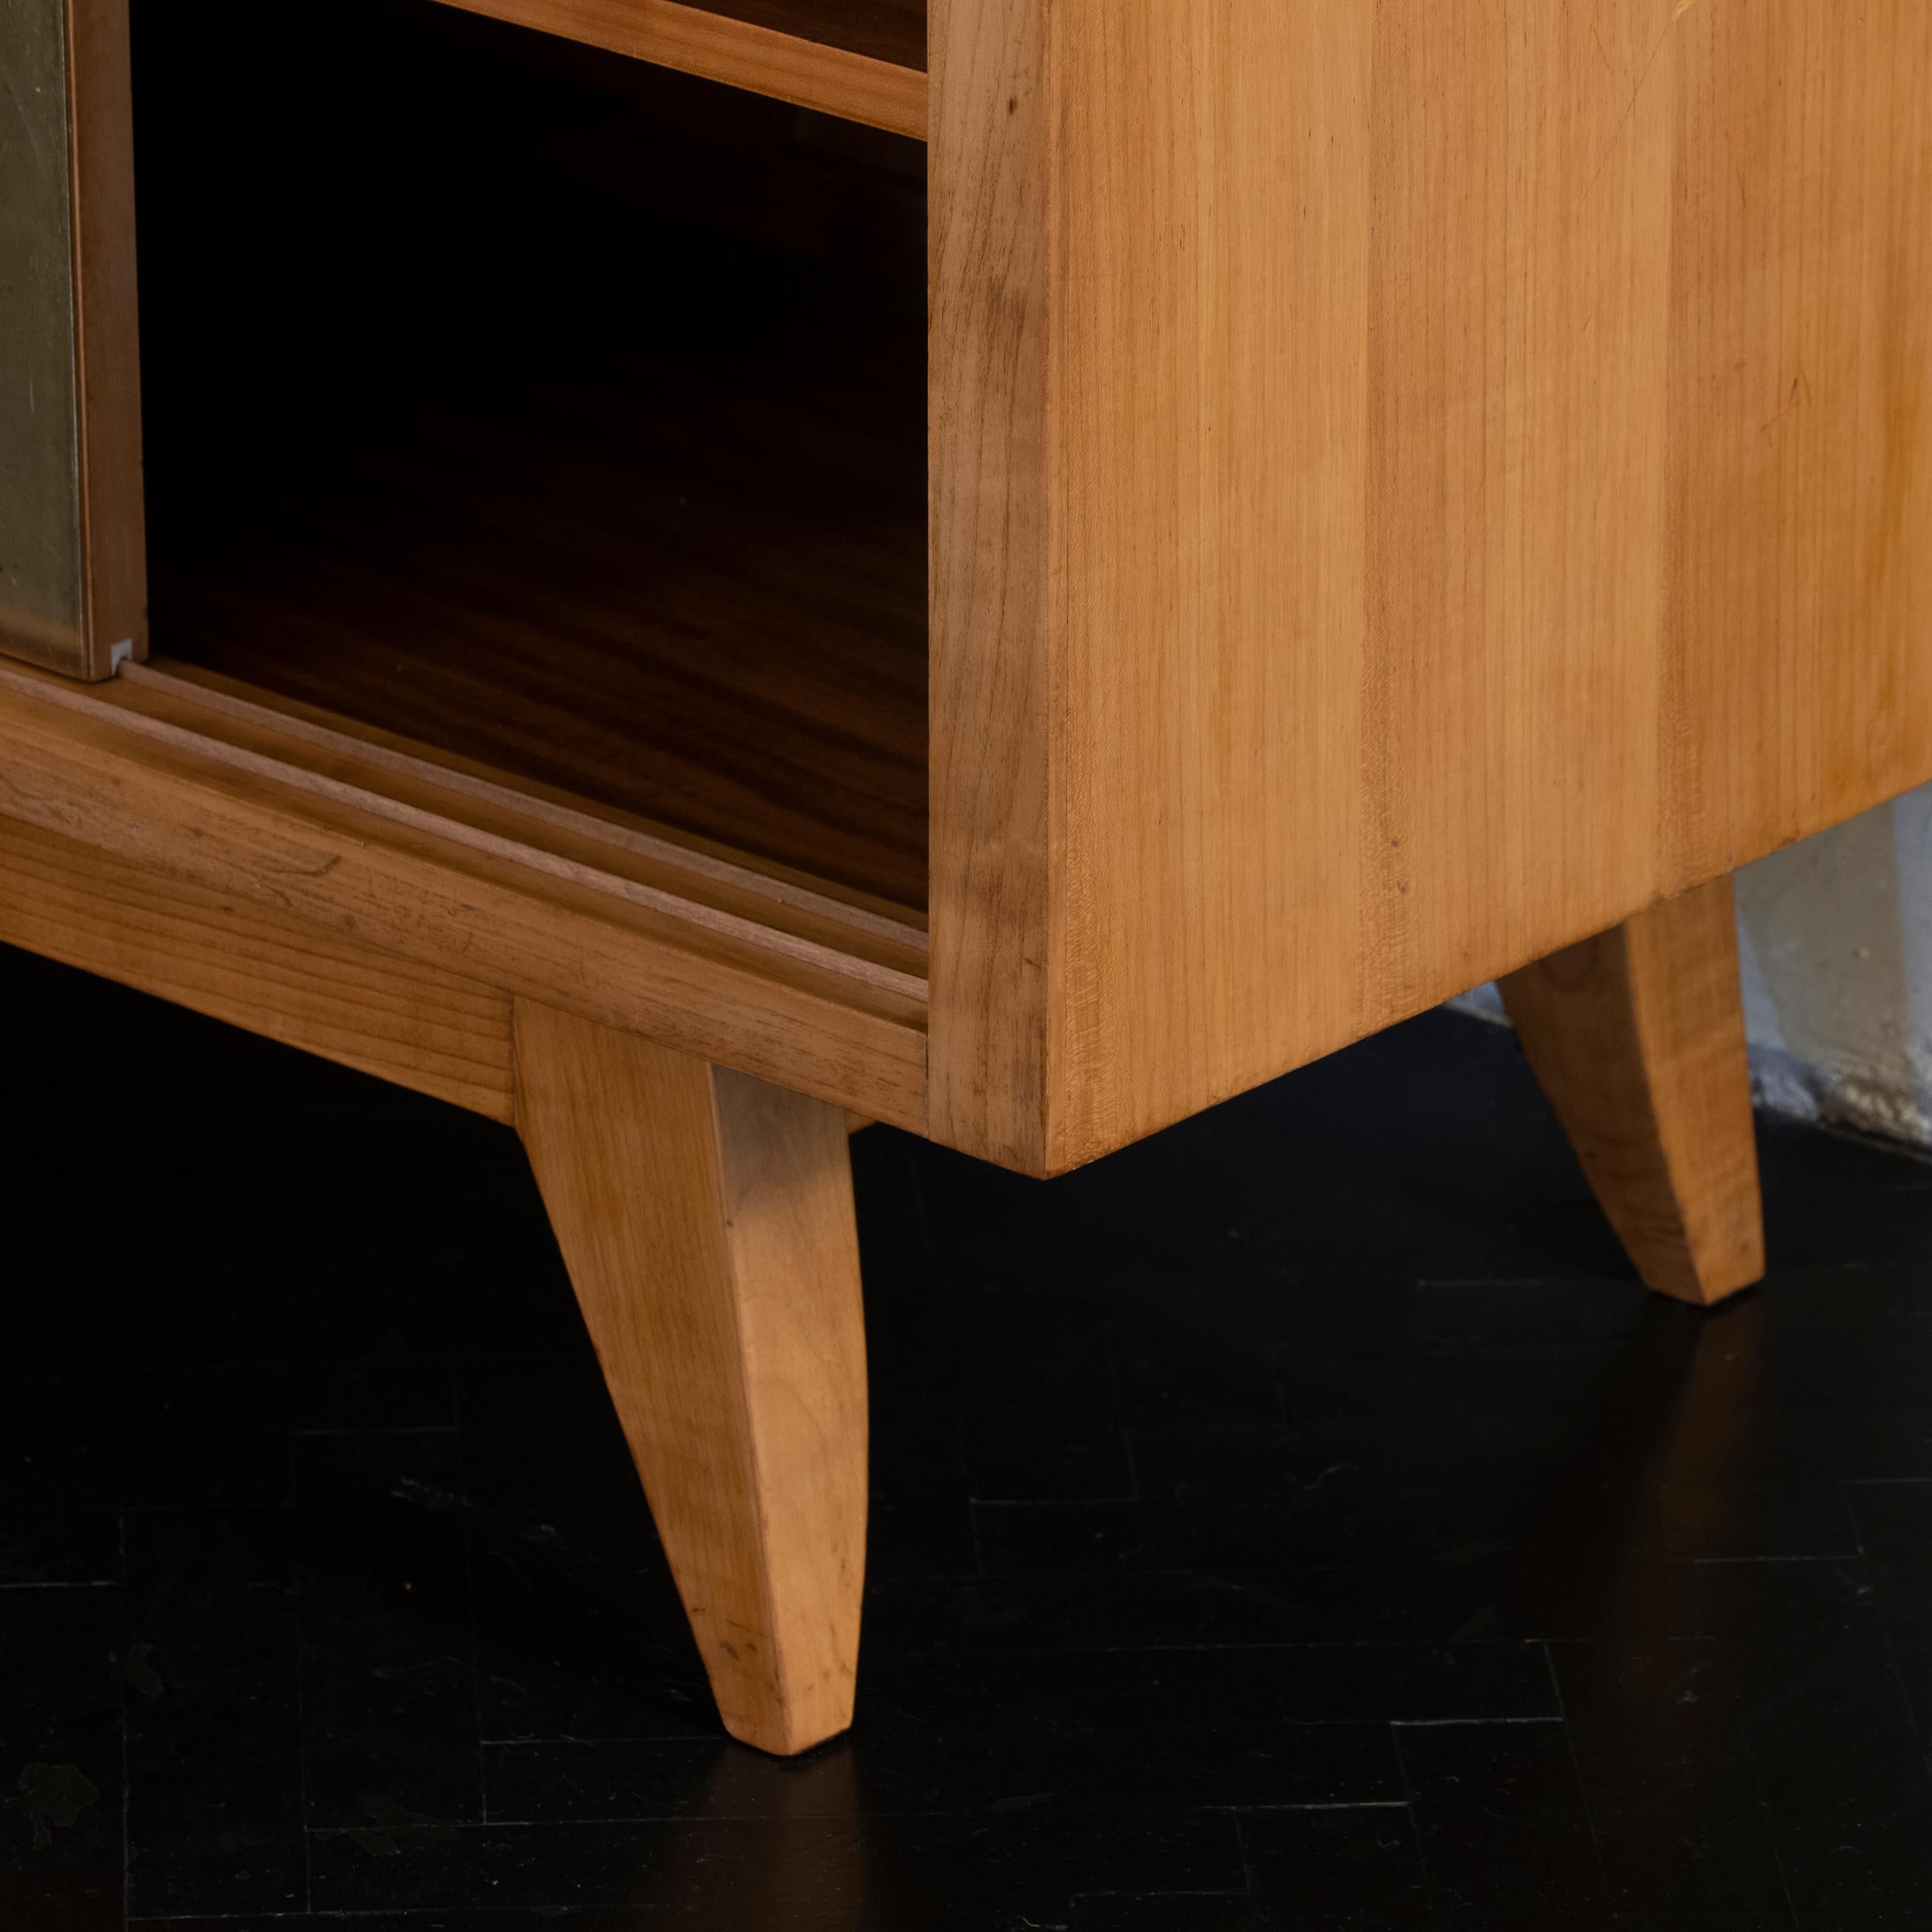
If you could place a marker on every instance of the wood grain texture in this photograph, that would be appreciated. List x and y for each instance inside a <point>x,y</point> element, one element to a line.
<point>41,605</point>
<point>251,965</point>
<point>1799,582</point>
<point>707,1222</point>
<point>997,730</point>
<point>70,764</point>
<point>1454,473</point>
<point>703,885</point>
<point>107,335</point>
<point>892,30</point>
<point>1637,1037</point>
<point>860,60</point>
<point>72,585</point>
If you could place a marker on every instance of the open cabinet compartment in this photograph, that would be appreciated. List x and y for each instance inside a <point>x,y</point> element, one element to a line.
<point>547,419</point>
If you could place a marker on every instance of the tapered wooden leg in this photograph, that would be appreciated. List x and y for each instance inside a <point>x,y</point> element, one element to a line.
<point>1637,1036</point>
<point>706,1219</point>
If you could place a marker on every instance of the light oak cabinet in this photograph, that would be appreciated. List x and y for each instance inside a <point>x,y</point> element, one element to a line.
<point>677,614</point>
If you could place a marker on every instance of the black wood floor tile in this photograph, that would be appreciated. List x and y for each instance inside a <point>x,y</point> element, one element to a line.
<point>917,1451</point>
<point>1172,1912</point>
<point>1462,1311</point>
<point>545,1460</point>
<point>611,1918</point>
<point>1333,1524</point>
<point>1781,1523</point>
<point>1474,1594</point>
<point>61,1863</point>
<point>586,1780</point>
<point>1772,1614</point>
<point>1845,1442</point>
<point>1755,1911</point>
<point>1169,1375</point>
<point>1038,1413</point>
<point>1826,1681</point>
<point>1433,1449</point>
<point>328,1398</point>
<point>1246,1912</point>
<point>1592,1400</point>
<point>1310,1441</point>
<point>1671,1786</point>
<point>1894,1518</point>
<point>1342,1529</point>
<point>1833,1733</point>
<point>920,1535</point>
<point>1318,1869</point>
<point>213,1704</point>
<point>880,1875</point>
<point>575,1647</point>
<point>1812,1363</point>
<point>58,1547</point>
<point>1505,1838</point>
<point>1850,1807</point>
<point>82,1439</point>
<point>1895,1527</point>
<point>389,1699</point>
<point>1348,1148</point>
<point>1013,1733</point>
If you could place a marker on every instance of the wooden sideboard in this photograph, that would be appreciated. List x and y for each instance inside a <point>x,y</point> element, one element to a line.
<point>1014,568</point>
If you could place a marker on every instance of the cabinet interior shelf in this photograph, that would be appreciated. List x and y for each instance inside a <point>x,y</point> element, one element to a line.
<point>689,589</point>
<point>608,481</point>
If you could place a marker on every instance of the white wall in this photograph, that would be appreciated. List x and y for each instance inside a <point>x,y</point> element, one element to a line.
<point>1835,940</point>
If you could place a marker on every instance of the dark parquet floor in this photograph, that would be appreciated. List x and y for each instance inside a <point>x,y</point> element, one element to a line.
<point>1301,1522</point>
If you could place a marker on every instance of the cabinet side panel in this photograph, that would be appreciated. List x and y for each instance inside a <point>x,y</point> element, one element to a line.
<point>1798,662</point>
<point>1486,492</point>
<point>1210,417</point>
<point>995,693</point>
<point>1520,178</point>
<point>40,595</point>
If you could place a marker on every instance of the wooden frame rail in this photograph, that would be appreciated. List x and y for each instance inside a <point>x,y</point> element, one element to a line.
<point>417,882</point>
<point>742,53</point>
